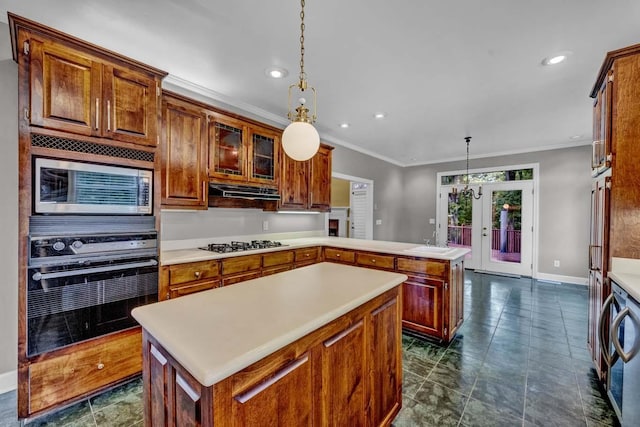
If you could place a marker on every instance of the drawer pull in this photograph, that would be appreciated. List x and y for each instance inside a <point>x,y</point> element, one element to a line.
<point>373,260</point>
<point>337,255</point>
<point>197,274</point>
<point>307,255</point>
<point>100,366</point>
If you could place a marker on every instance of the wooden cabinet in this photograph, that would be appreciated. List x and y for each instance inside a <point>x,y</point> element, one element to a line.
<point>601,147</point>
<point>242,152</point>
<point>598,257</point>
<point>91,366</point>
<point>432,296</point>
<point>307,185</point>
<point>183,279</point>
<point>344,256</point>
<point>82,92</point>
<point>346,373</point>
<point>376,260</point>
<point>184,148</point>
<point>343,364</point>
<point>277,262</point>
<point>615,193</point>
<point>307,256</point>
<point>320,180</point>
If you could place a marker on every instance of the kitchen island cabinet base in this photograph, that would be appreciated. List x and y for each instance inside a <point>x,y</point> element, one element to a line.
<point>347,372</point>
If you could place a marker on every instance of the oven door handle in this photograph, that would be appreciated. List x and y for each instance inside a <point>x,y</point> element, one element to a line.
<point>42,276</point>
<point>626,357</point>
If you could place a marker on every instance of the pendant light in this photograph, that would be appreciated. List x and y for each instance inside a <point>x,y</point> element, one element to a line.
<point>466,191</point>
<point>300,140</point>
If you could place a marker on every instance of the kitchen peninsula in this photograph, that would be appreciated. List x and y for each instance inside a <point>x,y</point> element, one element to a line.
<point>432,297</point>
<point>316,345</point>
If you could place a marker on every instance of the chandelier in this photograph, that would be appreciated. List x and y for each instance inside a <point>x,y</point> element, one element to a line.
<point>300,140</point>
<point>466,191</point>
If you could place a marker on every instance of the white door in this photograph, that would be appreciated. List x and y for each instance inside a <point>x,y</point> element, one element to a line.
<point>359,210</point>
<point>498,227</point>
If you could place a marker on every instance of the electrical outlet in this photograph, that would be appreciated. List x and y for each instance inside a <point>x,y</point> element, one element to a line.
<point>265,225</point>
<point>432,220</point>
<point>378,222</point>
<point>556,263</point>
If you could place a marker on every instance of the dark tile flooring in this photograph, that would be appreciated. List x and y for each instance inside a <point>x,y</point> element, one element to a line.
<point>520,359</point>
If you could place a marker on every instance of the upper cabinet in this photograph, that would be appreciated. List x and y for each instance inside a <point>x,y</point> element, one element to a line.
<point>307,185</point>
<point>242,152</point>
<point>81,92</point>
<point>601,148</point>
<point>184,147</point>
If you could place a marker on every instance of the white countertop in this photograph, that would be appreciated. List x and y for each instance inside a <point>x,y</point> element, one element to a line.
<point>216,333</point>
<point>626,273</point>
<point>397,248</point>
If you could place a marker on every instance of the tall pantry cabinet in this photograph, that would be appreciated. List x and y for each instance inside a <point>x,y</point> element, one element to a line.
<point>615,195</point>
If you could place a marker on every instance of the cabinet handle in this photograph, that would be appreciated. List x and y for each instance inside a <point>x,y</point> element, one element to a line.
<point>307,255</point>
<point>168,295</point>
<point>310,198</point>
<point>108,115</point>
<point>337,255</point>
<point>100,366</point>
<point>252,392</point>
<point>604,346</point>
<point>197,274</point>
<point>373,260</point>
<point>97,113</point>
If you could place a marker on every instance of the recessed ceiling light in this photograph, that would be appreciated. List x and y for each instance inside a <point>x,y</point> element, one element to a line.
<point>276,72</point>
<point>344,125</point>
<point>379,115</point>
<point>555,59</point>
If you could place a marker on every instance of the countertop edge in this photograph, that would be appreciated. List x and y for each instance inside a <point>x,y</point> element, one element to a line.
<point>181,256</point>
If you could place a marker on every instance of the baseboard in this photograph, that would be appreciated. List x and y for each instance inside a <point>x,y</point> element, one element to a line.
<point>557,278</point>
<point>8,381</point>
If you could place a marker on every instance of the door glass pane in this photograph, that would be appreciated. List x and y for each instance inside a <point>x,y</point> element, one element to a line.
<point>459,220</point>
<point>228,149</point>
<point>506,225</point>
<point>262,157</point>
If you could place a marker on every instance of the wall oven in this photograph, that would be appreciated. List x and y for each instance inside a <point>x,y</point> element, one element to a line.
<point>85,275</point>
<point>67,187</point>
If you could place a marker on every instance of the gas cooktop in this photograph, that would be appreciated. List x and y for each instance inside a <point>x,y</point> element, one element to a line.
<point>241,246</point>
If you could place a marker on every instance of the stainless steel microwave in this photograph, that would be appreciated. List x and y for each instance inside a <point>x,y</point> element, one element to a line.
<point>62,186</point>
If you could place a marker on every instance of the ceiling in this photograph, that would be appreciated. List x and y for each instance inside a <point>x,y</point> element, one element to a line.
<point>440,70</point>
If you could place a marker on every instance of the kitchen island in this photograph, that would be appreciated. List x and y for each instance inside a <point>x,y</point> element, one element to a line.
<point>316,345</point>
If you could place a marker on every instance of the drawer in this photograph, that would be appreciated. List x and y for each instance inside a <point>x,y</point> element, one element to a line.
<point>375,260</point>
<point>230,280</point>
<point>241,264</point>
<point>277,269</point>
<point>339,255</point>
<point>184,273</point>
<point>429,267</point>
<point>306,254</point>
<point>178,291</point>
<point>277,258</point>
<point>89,367</point>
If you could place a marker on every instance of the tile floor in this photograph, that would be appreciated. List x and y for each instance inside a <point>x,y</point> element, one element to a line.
<point>520,360</point>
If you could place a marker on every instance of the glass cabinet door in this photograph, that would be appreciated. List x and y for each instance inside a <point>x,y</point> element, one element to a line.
<point>263,161</point>
<point>227,150</point>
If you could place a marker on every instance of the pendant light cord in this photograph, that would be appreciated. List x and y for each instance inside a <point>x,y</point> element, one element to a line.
<point>303,75</point>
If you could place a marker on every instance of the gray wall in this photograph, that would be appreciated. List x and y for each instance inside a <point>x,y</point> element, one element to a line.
<point>564,211</point>
<point>387,188</point>
<point>9,212</point>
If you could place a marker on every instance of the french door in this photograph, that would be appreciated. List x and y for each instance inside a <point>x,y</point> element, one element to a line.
<point>497,227</point>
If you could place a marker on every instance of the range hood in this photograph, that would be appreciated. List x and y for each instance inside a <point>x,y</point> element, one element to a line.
<point>243,192</point>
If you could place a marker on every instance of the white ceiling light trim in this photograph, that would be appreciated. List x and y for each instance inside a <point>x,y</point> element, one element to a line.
<point>276,72</point>
<point>556,58</point>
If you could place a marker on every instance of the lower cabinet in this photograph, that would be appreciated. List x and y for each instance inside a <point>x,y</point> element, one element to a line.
<point>422,305</point>
<point>184,279</point>
<point>347,373</point>
<point>91,366</point>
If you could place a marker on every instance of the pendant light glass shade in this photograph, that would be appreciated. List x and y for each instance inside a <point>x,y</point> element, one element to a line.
<point>300,140</point>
